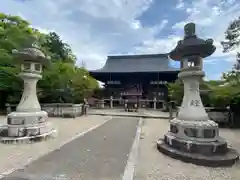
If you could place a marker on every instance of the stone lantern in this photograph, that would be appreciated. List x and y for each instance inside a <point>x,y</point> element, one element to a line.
<point>193,137</point>
<point>29,121</point>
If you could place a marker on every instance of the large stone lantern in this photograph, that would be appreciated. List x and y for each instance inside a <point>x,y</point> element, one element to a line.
<point>193,137</point>
<point>29,121</point>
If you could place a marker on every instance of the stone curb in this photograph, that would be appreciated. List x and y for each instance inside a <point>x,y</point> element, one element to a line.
<point>133,155</point>
<point>130,115</point>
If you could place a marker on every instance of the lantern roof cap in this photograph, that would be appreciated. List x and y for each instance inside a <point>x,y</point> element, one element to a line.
<point>32,54</point>
<point>191,45</point>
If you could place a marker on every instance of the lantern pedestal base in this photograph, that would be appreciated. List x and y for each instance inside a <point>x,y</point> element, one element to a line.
<point>229,158</point>
<point>197,142</point>
<point>26,126</point>
<point>204,131</point>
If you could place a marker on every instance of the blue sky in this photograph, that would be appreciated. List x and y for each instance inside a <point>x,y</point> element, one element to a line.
<point>97,28</point>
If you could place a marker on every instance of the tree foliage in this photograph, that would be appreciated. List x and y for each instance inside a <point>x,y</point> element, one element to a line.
<point>57,49</point>
<point>232,36</point>
<point>14,33</point>
<point>67,83</point>
<point>63,81</point>
<point>232,40</point>
<point>230,91</point>
<point>175,91</point>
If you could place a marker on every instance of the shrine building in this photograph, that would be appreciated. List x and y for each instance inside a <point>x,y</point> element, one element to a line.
<point>141,76</point>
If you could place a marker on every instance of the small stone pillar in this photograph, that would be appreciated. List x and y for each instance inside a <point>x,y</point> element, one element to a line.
<point>8,108</point>
<point>126,105</point>
<point>164,106</point>
<point>29,121</point>
<point>170,108</point>
<point>101,103</point>
<point>85,107</point>
<point>154,103</point>
<point>111,102</point>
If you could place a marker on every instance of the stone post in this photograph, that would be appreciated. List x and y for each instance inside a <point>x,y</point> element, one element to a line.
<point>154,103</point>
<point>170,108</point>
<point>126,105</point>
<point>8,108</point>
<point>85,106</point>
<point>164,106</point>
<point>111,102</point>
<point>102,103</point>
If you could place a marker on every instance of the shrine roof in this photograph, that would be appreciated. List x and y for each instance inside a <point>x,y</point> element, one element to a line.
<point>137,63</point>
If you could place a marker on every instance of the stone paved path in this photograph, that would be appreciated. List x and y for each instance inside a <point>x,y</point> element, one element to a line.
<point>101,154</point>
<point>121,112</point>
<point>13,156</point>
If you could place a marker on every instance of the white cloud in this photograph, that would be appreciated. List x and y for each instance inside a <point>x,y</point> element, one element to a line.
<point>180,4</point>
<point>117,9</point>
<point>162,25</point>
<point>136,24</point>
<point>158,45</point>
<point>94,29</point>
<point>212,19</point>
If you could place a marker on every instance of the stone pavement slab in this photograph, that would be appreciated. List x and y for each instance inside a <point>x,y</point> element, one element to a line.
<point>13,156</point>
<point>98,155</point>
<point>152,165</point>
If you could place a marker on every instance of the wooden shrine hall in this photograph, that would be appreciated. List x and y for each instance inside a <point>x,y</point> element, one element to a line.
<point>139,77</point>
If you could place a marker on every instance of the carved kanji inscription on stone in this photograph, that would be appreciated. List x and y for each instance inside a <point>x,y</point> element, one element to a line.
<point>195,103</point>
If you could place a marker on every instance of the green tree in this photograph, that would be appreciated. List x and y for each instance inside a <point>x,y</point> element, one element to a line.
<point>67,83</point>
<point>84,85</point>
<point>232,36</point>
<point>230,91</point>
<point>15,33</point>
<point>63,81</point>
<point>222,96</point>
<point>175,91</point>
<point>232,40</point>
<point>57,49</point>
<point>226,93</point>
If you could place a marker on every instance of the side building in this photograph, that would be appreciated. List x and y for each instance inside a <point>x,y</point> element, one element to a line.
<point>142,76</point>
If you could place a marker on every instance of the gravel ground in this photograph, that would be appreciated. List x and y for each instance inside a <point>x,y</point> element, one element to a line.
<point>14,155</point>
<point>152,165</point>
